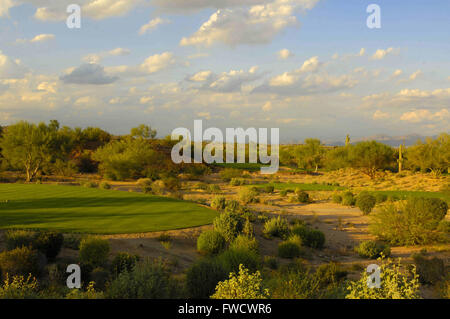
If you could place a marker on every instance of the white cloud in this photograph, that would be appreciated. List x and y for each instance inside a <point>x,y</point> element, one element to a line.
<point>379,115</point>
<point>284,79</point>
<point>423,115</point>
<point>47,87</point>
<point>310,65</point>
<point>96,58</point>
<point>190,5</point>
<point>415,75</point>
<point>255,25</point>
<point>5,5</point>
<point>201,76</point>
<point>381,54</point>
<point>284,54</point>
<point>267,107</point>
<point>158,62</point>
<point>397,73</point>
<point>42,38</point>
<point>88,74</point>
<point>102,9</point>
<point>11,69</point>
<point>152,25</point>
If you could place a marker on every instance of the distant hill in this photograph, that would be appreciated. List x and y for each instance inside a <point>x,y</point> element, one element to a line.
<point>385,139</point>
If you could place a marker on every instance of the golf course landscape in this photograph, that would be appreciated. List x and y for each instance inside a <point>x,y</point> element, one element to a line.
<point>95,211</point>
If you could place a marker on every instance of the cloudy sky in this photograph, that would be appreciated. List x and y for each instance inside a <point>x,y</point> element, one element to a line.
<point>309,67</point>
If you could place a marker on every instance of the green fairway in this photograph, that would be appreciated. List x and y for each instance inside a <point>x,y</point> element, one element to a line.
<point>302,186</point>
<point>90,210</point>
<point>406,194</point>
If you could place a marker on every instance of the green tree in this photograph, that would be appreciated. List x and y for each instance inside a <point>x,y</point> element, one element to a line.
<point>310,155</point>
<point>370,157</point>
<point>143,131</point>
<point>432,155</point>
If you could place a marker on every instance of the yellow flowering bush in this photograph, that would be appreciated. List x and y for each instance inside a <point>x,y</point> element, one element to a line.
<point>19,288</point>
<point>242,286</point>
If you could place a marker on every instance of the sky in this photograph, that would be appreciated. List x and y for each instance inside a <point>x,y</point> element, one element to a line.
<point>312,68</point>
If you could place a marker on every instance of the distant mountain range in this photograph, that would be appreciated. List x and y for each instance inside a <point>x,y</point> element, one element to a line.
<point>385,139</point>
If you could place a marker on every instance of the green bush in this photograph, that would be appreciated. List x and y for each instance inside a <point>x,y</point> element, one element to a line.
<point>243,242</point>
<point>21,261</point>
<point>214,189</point>
<point>302,197</point>
<point>100,276</point>
<point>237,182</point>
<point>283,193</point>
<point>104,185</point>
<point>19,287</point>
<point>228,173</point>
<point>123,262</point>
<point>145,184</point>
<point>232,258</point>
<point>289,249</point>
<point>330,274</point>
<point>228,224</point>
<point>365,202</point>
<point>271,262</point>
<point>202,278</point>
<point>94,251</point>
<point>248,195</point>
<point>348,199</point>
<point>372,249</point>
<point>210,242</point>
<point>336,198</point>
<point>380,198</point>
<point>49,243</point>
<point>310,237</point>
<point>89,184</point>
<point>430,270</point>
<point>219,202</point>
<point>233,206</point>
<point>412,223</point>
<point>276,227</point>
<point>148,280</point>
<point>72,242</point>
<point>268,189</point>
<point>19,238</point>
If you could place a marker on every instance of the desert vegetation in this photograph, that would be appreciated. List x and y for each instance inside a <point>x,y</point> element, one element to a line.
<point>140,226</point>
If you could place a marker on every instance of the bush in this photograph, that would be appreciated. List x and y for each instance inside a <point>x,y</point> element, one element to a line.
<point>237,182</point>
<point>172,184</point>
<point>219,202</point>
<point>100,276</point>
<point>372,249</point>
<point>89,184</point>
<point>21,261</point>
<point>248,195</point>
<point>147,280</point>
<point>276,227</point>
<point>310,237</point>
<point>145,184</point>
<point>214,189</point>
<point>72,242</point>
<point>283,193</point>
<point>228,173</point>
<point>380,198</point>
<point>232,258</point>
<point>365,203</point>
<point>94,251</point>
<point>395,285</point>
<point>336,198</point>
<point>210,242</point>
<point>202,278</point>
<point>19,238</point>
<point>228,224</point>
<point>243,242</point>
<point>19,288</point>
<point>89,293</point>
<point>242,286</point>
<point>123,262</point>
<point>412,223</point>
<point>271,262</point>
<point>104,185</point>
<point>289,249</point>
<point>233,206</point>
<point>431,271</point>
<point>303,197</point>
<point>158,187</point>
<point>348,199</point>
<point>49,243</point>
<point>330,274</point>
<point>268,189</point>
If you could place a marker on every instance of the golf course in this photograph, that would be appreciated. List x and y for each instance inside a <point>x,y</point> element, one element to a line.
<point>87,210</point>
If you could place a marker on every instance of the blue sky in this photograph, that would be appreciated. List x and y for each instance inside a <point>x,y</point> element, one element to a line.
<point>309,67</point>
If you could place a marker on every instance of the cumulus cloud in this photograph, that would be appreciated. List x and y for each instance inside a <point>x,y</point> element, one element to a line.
<point>5,5</point>
<point>97,57</point>
<point>424,115</point>
<point>397,73</point>
<point>284,54</point>
<point>201,76</point>
<point>88,74</point>
<point>290,78</point>
<point>381,54</point>
<point>152,25</point>
<point>380,115</point>
<point>191,5</point>
<point>152,64</point>
<point>255,25</point>
<point>11,69</point>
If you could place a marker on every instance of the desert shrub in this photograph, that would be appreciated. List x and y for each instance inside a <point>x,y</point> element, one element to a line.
<point>19,238</point>
<point>365,202</point>
<point>237,182</point>
<point>310,237</point>
<point>248,195</point>
<point>302,197</point>
<point>271,262</point>
<point>104,185</point>
<point>268,189</point>
<point>89,293</point>
<point>100,276</point>
<point>241,286</point>
<point>294,284</point>
<point>214,189</point>
<point>157,187</point>
<point>247,229</point>
<point>380,198</point>
<point>21,261</point>
<point>372,249</point>
<point>430,270</point>
<point>393,198</point>
<point>444,227</point>
<point>89,184</point>
<point>232,258</point>
<point>145,184</point>
<point>94,251</point>
<point>283,193</point>
<point>233,206</point>
<point>148,280</point>
<point>72,242</point>
<point>228,224</point>
<point>202,278</point>
<point>19,287</point>
<point>348,199</point>
<point>336,198</point>
<point>394,284</point>
<point>289,249</point>
<point>412,223</point>
<point>210,242</point>
<point>49,243</point>
<point>330,274</point>
<point>172,184</point>
<point>219,202</point>
<point>228,173</point>
<point>276,227</point>
<point>243,242</point>
<point>123,262</point>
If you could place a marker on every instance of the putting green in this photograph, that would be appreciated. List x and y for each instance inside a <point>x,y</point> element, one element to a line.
<point>90,210</point>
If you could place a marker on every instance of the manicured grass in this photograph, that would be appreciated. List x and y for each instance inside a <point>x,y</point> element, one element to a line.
<point>406,194</point>
<point>251,167</point>
<point>88,210</point>
<point>302,186</point>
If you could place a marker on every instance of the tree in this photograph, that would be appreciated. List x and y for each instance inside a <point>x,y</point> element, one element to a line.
<point>29,147</point>
<point>432,155</point>
<point>143,131</point>
<point>310,154</point>
<point>370,157</point>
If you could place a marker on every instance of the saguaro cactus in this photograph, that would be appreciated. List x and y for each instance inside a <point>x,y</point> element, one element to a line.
<point>400,158</point>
